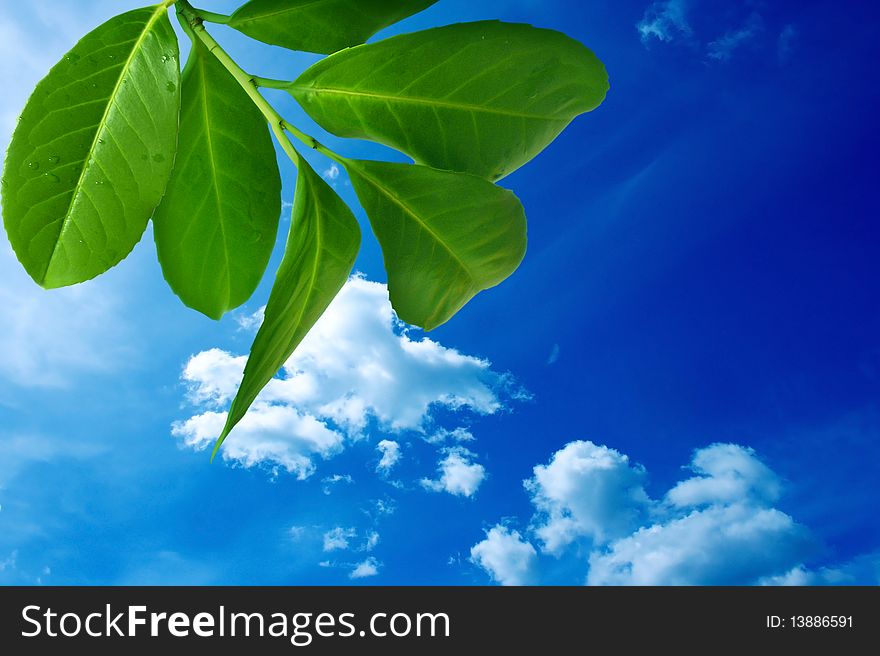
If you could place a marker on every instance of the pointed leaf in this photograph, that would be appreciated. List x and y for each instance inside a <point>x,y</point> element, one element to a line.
<point>482,98</point>
<point>321,26</point>
<point>93,150</point>
<point>216,227</point>
<point>445,236</point>
<point>321,250</point>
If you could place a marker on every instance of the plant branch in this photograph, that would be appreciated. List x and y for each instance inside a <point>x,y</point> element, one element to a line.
<point>193,24</point>
<point>212,17</point>
<point>192,20</point>
<point>269,83</point>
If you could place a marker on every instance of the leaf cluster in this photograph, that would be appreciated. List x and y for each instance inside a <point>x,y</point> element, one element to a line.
<point>117,135</point>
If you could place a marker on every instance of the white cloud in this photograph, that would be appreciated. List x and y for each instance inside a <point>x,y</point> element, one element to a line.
<point>553,358</point>
<point>357,365</point>
<point>331,174</point>
<point>726,473</point>
<point>337,539</point>
<point>371,542</point>
<point>330,482</point>
<point>507,558</point>
<point>297,533</point>
<point>720,545</point>
<point>717,527</point>
<point>586,491</point>
<point>390,451</point>
<point>365,569</point>
<point>458,475</point>
<point>862,570</point>
<point>722,48</point>
<point>251,322</point>
<point>457,435</point>
<point>665,21</point>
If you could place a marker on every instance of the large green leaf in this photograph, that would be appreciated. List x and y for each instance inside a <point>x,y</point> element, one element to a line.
<point>93,150</point>
<point>482,98</point>
<point>216,226</point>
<point>321,250</point>
<point>322,26</point>
<point>445,236</point>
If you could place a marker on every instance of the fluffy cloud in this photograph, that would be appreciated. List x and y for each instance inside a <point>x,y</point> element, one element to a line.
<point>721,545</point>
<point>390,451</point>
<point>507,558</point>
<point>358,365</point>
<point>593,514</point>
<point>366,568</point>
<point>338,538</point>
<point>665,21</point>
<point>862,570</point>
<point>726,473</point>
<point>457,473</point>
<point>586,491</point>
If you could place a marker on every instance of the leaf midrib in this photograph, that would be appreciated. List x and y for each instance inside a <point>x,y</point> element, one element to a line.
<point>214,175</point>
<point>102,125</point>
<point>394,198</point>
<point>298,322</point>
<point>416,100</point>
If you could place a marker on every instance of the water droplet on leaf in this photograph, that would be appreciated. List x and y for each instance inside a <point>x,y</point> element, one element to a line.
<point>51,177</point>
<point>171,87</point>
<point>34,166</point>
<point>54,159</point>
<point>158,158</point>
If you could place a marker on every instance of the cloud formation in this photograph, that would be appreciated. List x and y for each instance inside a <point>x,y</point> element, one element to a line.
<point>665,21</point>
<point>358,368</point>
<point>457,473</point>
<point>586,492</point>
<point>391,455</point>
<point>506,556</point>
<point>365,569</point>
<point>594,517</point>
<point>718,35</point>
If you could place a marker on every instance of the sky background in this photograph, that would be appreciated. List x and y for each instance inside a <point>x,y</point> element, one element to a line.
<point>679,385</point>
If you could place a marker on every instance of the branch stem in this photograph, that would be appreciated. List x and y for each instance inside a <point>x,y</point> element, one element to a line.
<point>269,83</point>
<point>192,20</point>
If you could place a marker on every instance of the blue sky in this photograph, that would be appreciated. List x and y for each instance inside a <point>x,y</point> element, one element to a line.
<point>680,384</point>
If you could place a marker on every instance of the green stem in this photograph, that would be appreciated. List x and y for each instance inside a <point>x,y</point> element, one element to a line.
<point>269,83</point>
<point>193,24</point>
<point>312,143</point>
<point>212,17</point>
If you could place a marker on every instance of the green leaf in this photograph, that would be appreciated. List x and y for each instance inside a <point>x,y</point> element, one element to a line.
<point>93,150</point>
<point>482,98</point>
<point>216,227</point>
<point>321,26</point>
<point>445,236</point>
<point>321,250</point>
